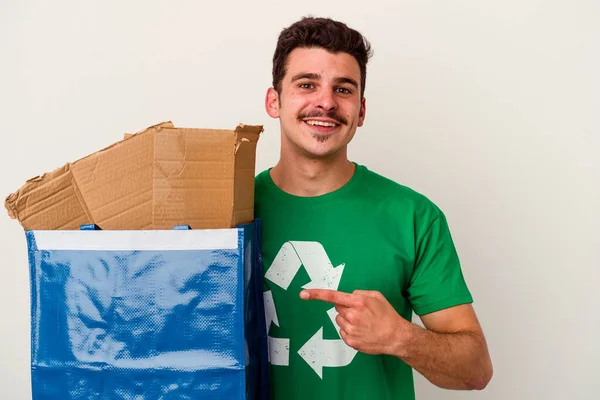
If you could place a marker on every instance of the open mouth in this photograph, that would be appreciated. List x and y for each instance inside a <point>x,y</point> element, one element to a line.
<point>322,126</point>
<point>321,123</point>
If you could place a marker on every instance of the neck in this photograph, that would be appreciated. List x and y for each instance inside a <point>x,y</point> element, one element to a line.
<point>302,176</point>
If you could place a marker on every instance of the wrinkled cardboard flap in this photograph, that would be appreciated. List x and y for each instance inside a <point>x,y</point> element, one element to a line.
<point>193,164</point>
<point>246,141</point>
<point>153,179</point>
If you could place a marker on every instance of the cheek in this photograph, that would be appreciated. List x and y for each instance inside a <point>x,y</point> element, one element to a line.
<point>297,104</point>
<point>352,119</point>
<point>293,100</point>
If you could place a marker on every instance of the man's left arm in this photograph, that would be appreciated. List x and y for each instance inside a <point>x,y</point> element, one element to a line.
<point>451,351</point>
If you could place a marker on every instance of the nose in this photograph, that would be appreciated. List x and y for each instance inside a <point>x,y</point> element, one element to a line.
<point>326,99</point>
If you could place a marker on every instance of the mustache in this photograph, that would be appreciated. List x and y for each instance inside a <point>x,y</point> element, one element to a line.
<point>319,114</point>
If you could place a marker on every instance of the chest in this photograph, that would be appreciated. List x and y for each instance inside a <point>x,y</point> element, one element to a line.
<point>339,253</point>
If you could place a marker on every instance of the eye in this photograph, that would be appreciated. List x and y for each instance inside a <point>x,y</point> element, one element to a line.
<point>344,90</point>
<point>306,85</point>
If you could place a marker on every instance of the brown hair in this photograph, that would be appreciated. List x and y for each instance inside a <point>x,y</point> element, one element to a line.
<point>333,36</point>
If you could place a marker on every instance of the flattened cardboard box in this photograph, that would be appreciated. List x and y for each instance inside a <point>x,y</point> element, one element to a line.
<point>154,179</point>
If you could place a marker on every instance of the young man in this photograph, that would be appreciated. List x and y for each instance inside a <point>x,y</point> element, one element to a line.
<point>349,254</point>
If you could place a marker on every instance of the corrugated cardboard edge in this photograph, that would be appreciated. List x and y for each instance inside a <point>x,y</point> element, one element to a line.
<point>32,184</point>
<point>243,133</point>
<point>157,127</point>
<point>241,128</point>
<point>36,181</point>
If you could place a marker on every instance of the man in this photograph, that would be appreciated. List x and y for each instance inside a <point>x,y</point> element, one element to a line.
<point>349,254</point>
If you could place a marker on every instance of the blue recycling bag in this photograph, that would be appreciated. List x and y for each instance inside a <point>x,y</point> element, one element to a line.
<point>144,315</point>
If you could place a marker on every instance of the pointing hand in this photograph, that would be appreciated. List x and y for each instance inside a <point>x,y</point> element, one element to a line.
<point>367,321</point>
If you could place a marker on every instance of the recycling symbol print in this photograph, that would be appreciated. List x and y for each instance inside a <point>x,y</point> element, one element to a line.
<point>317,352</point>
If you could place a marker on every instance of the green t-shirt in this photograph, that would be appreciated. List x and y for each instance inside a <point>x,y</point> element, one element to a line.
<point>371,234</point>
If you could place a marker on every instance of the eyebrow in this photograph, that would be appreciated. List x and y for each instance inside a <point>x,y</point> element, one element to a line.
<point>313,76</point>
<point>347,80</point>
<point>306,75</point>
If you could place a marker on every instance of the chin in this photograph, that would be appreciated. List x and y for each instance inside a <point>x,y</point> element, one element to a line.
<point>321,152</point>
<point>317,145</point>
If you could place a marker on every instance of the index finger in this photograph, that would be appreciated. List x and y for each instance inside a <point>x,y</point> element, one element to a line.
<point>330,296</point>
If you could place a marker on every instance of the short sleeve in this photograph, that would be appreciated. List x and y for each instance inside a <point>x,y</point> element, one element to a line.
<point>437,281</point>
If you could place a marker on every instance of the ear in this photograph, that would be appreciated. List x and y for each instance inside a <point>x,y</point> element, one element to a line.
<point>272,103</point>
<point>363,112</point>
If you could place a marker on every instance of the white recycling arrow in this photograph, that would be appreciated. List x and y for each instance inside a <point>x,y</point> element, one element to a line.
<point>312,255</point>
<point>270,312</point>
<point>279,349</point>
<point>319,353</point>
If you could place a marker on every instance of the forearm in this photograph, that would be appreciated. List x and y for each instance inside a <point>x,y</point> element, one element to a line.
<point>457,361</point>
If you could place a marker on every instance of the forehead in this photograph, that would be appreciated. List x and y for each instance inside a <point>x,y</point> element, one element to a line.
<point>322,62</point>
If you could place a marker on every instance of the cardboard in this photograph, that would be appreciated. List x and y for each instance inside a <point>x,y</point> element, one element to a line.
<point>154,179</point>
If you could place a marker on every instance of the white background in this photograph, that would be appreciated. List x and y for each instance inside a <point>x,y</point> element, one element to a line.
<point>488,107</point>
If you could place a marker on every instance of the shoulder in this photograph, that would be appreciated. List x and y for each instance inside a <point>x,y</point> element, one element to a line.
<point>261,182</point>
<point>261,176</point>
<point>265,190</point>
<point>398,197</point>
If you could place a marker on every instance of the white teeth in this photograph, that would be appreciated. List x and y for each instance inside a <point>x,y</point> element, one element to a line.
<point>320,123</point>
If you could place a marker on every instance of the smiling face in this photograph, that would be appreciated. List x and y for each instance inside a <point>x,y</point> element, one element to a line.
<point>319,106</point>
